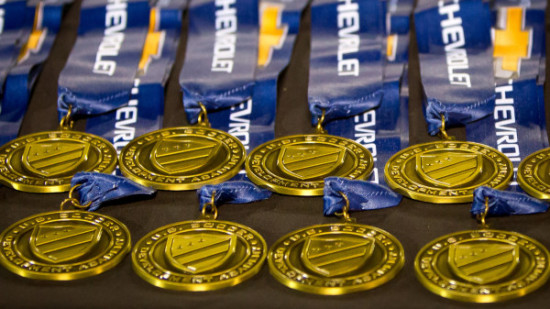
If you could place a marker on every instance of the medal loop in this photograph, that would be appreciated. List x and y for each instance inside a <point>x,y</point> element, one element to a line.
<point>319,128</point>
<point>73,201</point>
<point>209,211</point>
<point>203,117</point>
<point>66,122</point>
<point>481,217</point>
<point>442,132</point>
<point>345,210</point>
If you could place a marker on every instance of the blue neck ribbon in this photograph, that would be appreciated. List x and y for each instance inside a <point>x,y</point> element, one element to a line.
<point>362,195</point>
<point>220,59</point>
<point>517,127</point>
<point>98,188</point>
<point>26,37</point>
<point>455,54</point>
<point>346,60</point>
<point>145,108</point>
<point>505,203</point>
<point>231,192</point>
<point>101,70</point>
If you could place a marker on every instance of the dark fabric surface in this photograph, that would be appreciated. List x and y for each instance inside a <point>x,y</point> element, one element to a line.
<point>413,223</point>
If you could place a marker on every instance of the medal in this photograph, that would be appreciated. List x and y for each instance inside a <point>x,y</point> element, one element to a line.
<point>533,174</point>
<point>338,258</point>
<point>200,255</point>
<point>298,164</point>
<point>182,158</point>
<point>45,162</point>
<point>447,171</point>
<point>71,244</point>
<point>484,265</point>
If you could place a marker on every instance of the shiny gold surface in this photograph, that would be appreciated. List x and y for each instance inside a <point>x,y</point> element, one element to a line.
<point>482,266</point>
<point>298,164</point>
<point>200,255</point>
<point>45,162</point>
<point>182,158</point>
<point>534,174</point>
<point>447,171</point>
<point>64,245</point>
<point>335,259</point>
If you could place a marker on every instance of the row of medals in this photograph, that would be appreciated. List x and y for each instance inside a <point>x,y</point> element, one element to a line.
<point>479,265</point>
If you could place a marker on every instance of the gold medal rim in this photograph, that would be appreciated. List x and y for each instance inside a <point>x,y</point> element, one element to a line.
<point>443,199</point>
<point>281,278</point>
<point>300,192</point>
<point>198,287</point>
<point>55,188</point>
<point>186,186</point>
<point>524,184</point>
<point>477,298</point>
<point>117,259</point>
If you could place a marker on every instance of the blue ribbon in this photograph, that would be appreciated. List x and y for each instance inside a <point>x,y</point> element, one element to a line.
<point>455,53</point>
<point>503,203</point>
<point>345,71</point>
<point>145,109</point>
<point>231,192</point>
<point>221,54</point>
<point>99,188</point>
<point>362,195</point>
<point>19,69</point>
<point>102,66</point>
<point>517,127</point>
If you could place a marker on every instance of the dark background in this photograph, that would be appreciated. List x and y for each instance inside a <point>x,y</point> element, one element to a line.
<point>413,223</point>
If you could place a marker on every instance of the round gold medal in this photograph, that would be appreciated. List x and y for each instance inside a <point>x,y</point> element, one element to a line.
<point>182,158</point>
<point>64,245</point>
<point>483,266</point>
<point>298,164</point>
<point>447,171</point>
<point>533,175</point>
<point>45,162</point>
<point>200,255</point>
<point>334,259</point>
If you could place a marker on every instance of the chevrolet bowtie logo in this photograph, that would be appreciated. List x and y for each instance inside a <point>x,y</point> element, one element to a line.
<point>37,35</point>
<point>512,42</point>
<point>272,33</point>
<point>153,42</point>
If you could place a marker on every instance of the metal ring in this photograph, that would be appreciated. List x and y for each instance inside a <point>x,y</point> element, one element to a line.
<point>74,201</point>
<point>319,128</point>
<point>345,210</point>
<point>203,116</point>
<point>213,213</point>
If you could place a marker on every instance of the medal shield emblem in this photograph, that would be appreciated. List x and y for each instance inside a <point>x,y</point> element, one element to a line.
<point>449,169</point>
<point>63,243</point>
<point>483,263</point>
<point>199,253</point>
<point>174,156</point>
<point>332,257</point>
<point>55,158</point>
<point>310,161</point>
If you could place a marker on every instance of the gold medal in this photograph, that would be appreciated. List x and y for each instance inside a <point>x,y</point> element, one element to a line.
<point>533,176</point>
<point>483,266</point>
<point>64,245</point>
<point>447,171</point>
<point>183,158</point>
<point>200,255</point>
<point>298,164</point>
<point>45,162</point>
<point>335,259</point>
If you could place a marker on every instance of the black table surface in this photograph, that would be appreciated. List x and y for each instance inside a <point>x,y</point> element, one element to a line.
<point>413,223</point>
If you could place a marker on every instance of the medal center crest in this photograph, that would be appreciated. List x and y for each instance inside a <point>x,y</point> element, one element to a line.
<point>336,256</point>
<point>183,156</point>
<point>449,169</point>
<point>480,262</point>
<point>54,159</point>
<point>309,161</point>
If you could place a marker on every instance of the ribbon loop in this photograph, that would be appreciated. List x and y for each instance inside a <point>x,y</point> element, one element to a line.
<point>231,192</point>
<point>362,195</point>
<point>98,188</point>
<point>505,203</point>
